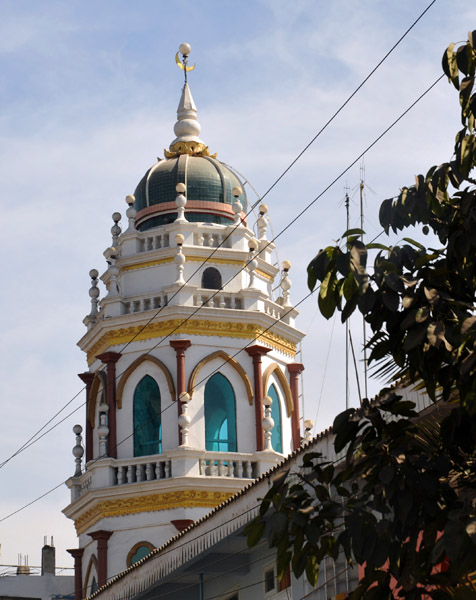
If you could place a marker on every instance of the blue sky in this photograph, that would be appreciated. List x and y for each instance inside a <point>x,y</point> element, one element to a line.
<point>88,93</point>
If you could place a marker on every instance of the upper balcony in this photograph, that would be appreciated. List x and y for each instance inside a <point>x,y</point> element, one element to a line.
<point>181,462</point>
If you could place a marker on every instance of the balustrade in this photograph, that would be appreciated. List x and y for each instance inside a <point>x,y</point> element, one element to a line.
<point>143,304</point>
<point>228,466</point>
<point>220,300</point>
<point>212,239</point>
<point>142,471</point>
<point>153,242</point>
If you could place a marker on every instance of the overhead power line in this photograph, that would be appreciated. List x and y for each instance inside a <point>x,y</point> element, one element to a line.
<point>300,214</point>
<point>34,437</point>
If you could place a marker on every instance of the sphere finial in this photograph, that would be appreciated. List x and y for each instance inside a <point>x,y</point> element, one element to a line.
<point>184,50</point>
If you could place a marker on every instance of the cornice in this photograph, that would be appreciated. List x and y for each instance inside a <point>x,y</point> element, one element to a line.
<point>233,329</point>
<point>119,507</point>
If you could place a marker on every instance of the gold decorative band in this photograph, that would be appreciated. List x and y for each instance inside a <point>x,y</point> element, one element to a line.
<point>232,329</point>
<point>154,502</point>
<point>192,258</point>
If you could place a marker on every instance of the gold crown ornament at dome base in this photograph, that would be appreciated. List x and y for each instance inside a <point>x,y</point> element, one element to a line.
<point>190,148</point>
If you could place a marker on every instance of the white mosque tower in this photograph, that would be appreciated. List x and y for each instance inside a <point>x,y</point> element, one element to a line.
<point>192,388</point>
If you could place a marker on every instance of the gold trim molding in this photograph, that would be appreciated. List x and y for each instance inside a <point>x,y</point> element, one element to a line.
<point>192,258</point>
<point>227,359</point>
<point>232,329</point>
<point>275,369</point>
<point>149,263</point>
<point>151,503</point>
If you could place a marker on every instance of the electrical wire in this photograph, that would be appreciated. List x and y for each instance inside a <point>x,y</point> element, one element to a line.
<point>309,205</point>
<point>288,168</point>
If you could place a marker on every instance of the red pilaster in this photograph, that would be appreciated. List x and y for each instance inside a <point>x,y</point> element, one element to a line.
<point>256,352</point>
<point>294,370</point>
<point>101,537</point>
<point>180,346</point>
<point>87,378</point>
<point>110,359</point>
<point>77,554</point>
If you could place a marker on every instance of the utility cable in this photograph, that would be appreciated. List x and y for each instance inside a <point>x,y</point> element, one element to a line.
<point>300,214</point>
<point>253,206</point>
<point>357,89</point>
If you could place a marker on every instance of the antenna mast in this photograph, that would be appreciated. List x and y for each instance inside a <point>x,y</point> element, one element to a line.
<point>347,320</point>
<point>364,332</point>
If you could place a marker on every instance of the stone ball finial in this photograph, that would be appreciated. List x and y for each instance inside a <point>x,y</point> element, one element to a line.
<point>286,265</point>
<point>94,274</point>
<point>263,209</point>
<point>77,429</point>
<point>185,49</point>
<point>130,199</point>
<point>116,217</point>
<point>179,239</point>
<point>181,188</point>
<point>267,401</point>
<point>236,191</point>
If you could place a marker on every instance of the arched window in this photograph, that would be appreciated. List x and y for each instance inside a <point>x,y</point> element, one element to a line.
<point>138,552</point>
<point>147,421</point>
<point>276,436</point>
<point>211,279</point>
<point>94,586</point>
<point>220,415</point>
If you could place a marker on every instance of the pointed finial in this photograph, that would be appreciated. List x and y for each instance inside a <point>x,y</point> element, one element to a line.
<point>187,128</point>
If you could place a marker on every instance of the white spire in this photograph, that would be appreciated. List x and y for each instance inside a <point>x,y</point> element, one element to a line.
<point>187,128</point>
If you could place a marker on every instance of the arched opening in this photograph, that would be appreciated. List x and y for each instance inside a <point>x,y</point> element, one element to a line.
<point>220,415</point>
<point>276,432</point>
<point>90,580</point>
<point>147,418</point>
<point>138,552</point>
<point>211,279</point>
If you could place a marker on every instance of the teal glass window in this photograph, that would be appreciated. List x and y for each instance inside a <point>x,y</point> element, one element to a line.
<point>276,432</point>
<point>147,419</point>
<point>94,586</point>
<point>139,554</point>
<point>220,415</point>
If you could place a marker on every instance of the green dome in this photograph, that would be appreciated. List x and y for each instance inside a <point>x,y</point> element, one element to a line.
<point>209,191</point>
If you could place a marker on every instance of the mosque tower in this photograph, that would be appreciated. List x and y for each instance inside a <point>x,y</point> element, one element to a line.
<point>192,388</point>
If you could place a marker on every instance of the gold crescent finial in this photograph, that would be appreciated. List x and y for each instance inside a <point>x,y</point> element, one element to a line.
<point>183,66</point>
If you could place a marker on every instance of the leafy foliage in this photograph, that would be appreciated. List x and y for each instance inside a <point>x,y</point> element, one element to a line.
<point>400,500</point>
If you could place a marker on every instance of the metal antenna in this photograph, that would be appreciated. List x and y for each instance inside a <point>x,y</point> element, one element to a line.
<point>347,203</point>
<point>364,332</point>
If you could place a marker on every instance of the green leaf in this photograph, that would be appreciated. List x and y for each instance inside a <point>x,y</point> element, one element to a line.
<point>350,232</point>
<point>414,337</point>
<point>468,325</point>
<point>317,268</point>
<point>327,300</point>
<point>255,531</point>
<point>385,214</point>
<point>312,570</point>
<point>390,299</point>
<point>376,246</point>
<point>414,243</point>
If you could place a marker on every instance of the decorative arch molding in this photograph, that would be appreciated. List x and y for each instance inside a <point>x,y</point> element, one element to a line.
<point>99,379</point>
<point>93,564</point>
<point>134,549</point>
<point>132,367</point>
<point>275,369</point>
<point>230,361</point>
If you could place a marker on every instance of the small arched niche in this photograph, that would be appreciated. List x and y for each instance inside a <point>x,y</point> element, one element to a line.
<point>211,279</point>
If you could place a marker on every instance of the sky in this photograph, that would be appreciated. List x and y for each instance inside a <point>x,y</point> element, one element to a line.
<point>88,97</point>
